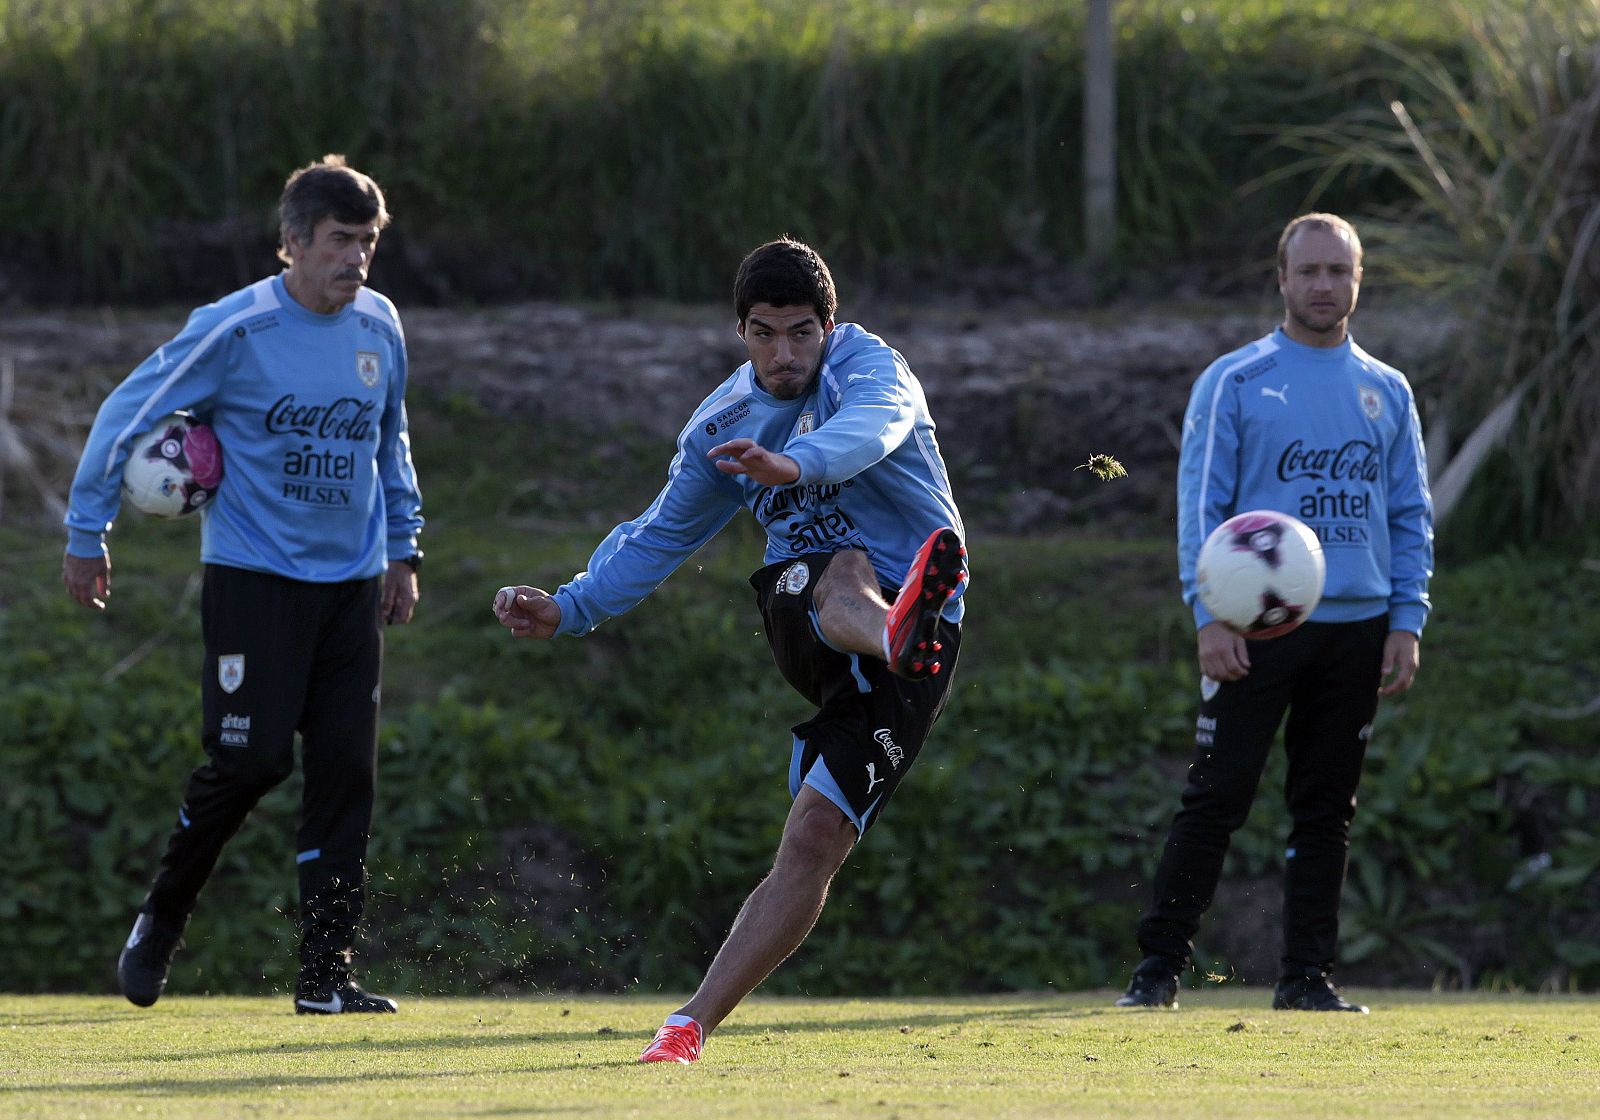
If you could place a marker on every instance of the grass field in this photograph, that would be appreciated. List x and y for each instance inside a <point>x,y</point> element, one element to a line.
<point>1224,1054</point>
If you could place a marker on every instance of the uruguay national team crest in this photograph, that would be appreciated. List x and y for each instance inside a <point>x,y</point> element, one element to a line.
<point>1371,403</point>
<point>794,578</point>
<point>808,420</point>
<point>367,367</point>
<point>230,671</point>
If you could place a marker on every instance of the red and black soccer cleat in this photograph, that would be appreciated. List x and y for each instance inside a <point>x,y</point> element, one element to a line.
<point>674,1044</point>
<point>934,576</point>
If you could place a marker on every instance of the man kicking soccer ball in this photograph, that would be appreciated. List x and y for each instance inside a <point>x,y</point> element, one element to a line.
<point>825,436</point>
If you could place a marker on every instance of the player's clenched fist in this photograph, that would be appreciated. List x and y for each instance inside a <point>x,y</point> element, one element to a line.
<point>527,611</point>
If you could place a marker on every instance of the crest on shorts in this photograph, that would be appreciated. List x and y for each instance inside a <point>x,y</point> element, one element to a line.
<point>794,578</point>
<point>1208,687</point>
<point>367,367</point>
<point>230,671</point>
<point>1371,403</point>
<point>808,420</point>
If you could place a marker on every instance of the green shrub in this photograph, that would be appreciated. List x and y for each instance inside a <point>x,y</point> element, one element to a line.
<point>590,813</point>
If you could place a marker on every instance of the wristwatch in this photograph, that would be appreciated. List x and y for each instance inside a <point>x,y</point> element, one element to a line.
<point>414,561</point>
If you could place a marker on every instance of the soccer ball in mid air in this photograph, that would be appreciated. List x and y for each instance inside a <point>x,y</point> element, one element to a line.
<point>173,469</point>
<point>1260,573</point>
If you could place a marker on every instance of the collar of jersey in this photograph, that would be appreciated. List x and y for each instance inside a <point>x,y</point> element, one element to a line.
<point>1303,352</point>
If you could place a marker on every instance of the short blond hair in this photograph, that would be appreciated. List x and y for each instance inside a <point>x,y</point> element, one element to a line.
<point>1317,220</point>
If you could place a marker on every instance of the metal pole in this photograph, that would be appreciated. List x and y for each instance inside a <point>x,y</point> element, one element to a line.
<point>1099,136</point>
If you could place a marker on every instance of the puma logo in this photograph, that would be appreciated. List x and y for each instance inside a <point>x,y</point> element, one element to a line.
<point>872,776</point>
<point>1282,394</point>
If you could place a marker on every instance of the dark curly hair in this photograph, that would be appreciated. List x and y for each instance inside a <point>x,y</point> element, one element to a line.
<point>785,273</point>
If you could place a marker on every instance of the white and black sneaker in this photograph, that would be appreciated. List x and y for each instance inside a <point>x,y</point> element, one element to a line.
<point>343,998</point>
<point>146,958</point>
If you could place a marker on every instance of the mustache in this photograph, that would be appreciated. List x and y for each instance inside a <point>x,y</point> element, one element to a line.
<point>352,274</point>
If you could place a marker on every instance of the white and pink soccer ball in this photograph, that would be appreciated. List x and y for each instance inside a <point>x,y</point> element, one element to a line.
<point>174,469</point>
<point>1261,573</point>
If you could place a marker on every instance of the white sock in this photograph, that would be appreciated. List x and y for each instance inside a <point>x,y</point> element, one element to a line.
<point>684,1021</point>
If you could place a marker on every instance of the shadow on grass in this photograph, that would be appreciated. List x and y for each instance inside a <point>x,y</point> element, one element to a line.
<point>226,1087</point>
<point>920,1020</point>
<point>23,1020</point>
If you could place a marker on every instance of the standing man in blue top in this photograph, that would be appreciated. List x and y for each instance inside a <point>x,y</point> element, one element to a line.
<point>309,547</point>
<point>1306,422</point>
<point>825,437</point>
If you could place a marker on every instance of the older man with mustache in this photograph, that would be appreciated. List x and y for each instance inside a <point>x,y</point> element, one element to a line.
<point>309,547</point>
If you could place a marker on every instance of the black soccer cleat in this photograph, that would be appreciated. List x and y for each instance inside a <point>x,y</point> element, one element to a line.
<point>1154,984</point>
<point>146,959</point>
<point>343,998</point>
<point>938,569</point>
<point>1311,993</point>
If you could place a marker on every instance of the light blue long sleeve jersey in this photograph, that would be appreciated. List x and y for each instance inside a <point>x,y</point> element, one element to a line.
<point>318,483</point>
<point>1330,436</point>
<point>871,477</point>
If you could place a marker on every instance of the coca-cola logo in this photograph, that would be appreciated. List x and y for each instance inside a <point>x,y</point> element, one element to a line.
<point>1356,461</point>
<point>345,418</point>
<point>786,501</point>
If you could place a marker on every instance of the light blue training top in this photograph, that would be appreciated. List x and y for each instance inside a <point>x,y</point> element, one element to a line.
<point>1330,436</point>
<point>871,477</point>
<point>318,483</point>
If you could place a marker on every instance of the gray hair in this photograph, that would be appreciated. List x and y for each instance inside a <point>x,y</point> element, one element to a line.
<point>328,188</point>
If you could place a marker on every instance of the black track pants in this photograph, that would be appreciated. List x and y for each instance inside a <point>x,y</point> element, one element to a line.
<point>1326,676</point>
<point>285,656</point>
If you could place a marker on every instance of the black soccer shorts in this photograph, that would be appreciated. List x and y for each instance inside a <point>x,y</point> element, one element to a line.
<point>871,724</point>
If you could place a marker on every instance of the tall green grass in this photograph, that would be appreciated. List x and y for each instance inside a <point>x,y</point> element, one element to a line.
<point>628,147</point>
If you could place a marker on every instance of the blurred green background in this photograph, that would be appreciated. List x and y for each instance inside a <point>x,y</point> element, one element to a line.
<point>561,148</point>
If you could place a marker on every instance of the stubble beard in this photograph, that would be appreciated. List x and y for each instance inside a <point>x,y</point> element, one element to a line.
<point>1336,325</point>
<point>794,390</point>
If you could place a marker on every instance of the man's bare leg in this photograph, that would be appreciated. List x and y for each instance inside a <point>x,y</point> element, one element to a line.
<point>853,615</point>
<point>780,912</point>
<point>851,610</point>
